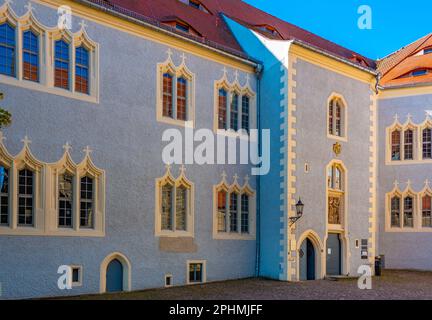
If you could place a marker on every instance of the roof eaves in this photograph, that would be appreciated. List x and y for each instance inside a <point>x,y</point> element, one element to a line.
<point>334,56</point>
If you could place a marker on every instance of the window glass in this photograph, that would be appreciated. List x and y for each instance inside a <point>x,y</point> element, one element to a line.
<point>30,56</point>
<point>7,49</point>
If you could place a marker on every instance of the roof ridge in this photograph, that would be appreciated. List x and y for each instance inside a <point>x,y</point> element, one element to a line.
<point>406,46</point>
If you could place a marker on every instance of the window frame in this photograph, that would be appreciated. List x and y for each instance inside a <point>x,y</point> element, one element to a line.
<point>37,34</point>
<point>334,100</point>
<point>180,182</point>
<point>14,27</point>
<point>203,271</point>
<point>177,72</point>
<point>78,283</point>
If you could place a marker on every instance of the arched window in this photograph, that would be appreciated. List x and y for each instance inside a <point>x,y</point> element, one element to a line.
<point>82,70</point>
<point>395,212</point>
<point>233,212</point>
<point>427,143</point>
<point>245,113</point>
<point>86,202</point>
<point>396,145</point>
<point>222,110</point>
<point>408,221</point>
<point>25,197</point>
<point>221,212</point>
<point>426,211</point>
<point>61,71</point>
<point>336,125</point>
<point>234,111</point>
<point>168,95</point>
<point>65,189</point>
<point>7,49</point>
<point>181,208</point>
<point>167,195</point>
<point>4,196</point>
<point>408,144</point>
<point>335,177</point>
<point>181,98</point>
<point>30,56</point>
<point>335,183</point>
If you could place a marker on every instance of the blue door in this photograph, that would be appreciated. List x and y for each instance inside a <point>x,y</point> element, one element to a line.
<point>114,276</point>
<point>307,260</point>
<point>334,257</point>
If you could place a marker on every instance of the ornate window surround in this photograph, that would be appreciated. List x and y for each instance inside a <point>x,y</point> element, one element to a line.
<point>342,193</point>
<point>417,207</point>
<point>176,71</point>
<point>417,140</point>
<point>237,188</point>
<point>180,181</point>
<point>234,88</point>
<point>344,107</point>
<point>47,37</point>
<point>46,192</point>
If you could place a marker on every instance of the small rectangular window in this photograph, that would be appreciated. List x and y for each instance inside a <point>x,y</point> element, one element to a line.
<point>76,276</point>
<point>195,272</point>
<point>168,280</point>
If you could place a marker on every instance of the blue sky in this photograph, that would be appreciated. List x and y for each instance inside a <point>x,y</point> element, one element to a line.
<point>395,23</point>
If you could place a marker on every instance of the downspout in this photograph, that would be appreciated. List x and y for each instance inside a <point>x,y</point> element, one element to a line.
<point>258,72</point>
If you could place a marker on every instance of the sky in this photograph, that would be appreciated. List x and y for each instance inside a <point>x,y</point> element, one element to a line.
<point>395,23</point>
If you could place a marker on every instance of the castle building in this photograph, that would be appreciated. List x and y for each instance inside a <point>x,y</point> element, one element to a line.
<point>98,89</point>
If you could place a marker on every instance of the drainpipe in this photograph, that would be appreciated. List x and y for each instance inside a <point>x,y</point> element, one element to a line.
<point>258,72</point>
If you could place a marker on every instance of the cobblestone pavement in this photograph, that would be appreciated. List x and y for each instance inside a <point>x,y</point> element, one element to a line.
<point>392,285</point>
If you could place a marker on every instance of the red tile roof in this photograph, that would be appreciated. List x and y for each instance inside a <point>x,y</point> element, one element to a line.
<point>215,31</point>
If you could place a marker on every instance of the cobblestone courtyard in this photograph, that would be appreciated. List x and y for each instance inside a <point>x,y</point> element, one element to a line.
<point>392,285</point>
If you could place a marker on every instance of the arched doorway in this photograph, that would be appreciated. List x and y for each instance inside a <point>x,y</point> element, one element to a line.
<point>115,273</point>
<point>114,276</point>
<point>307,260</point>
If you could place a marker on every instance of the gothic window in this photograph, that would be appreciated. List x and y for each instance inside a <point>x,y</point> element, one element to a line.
<point>234,111</point>
<point>221,213</point>
<point>395,212</point>
<point>245,113</point>
<point>168,95</point>
<point>427,143</point>
<point>408,221</point>
<point>82,70</point>
<point>222,111</point>
<point>7,49</point>
<point>181,98</point>
<point>426,211</point>
<point>86,202</point>
<point>396,145</point>
<point>4,196</point>
<point>245,213</point>
<point>65,213</point>
<point>336,116</point>
<point>62,61</point>
<point>30,56</point>
<point>25,198</point>
<point>166,210</point>
<point>408,144</point>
